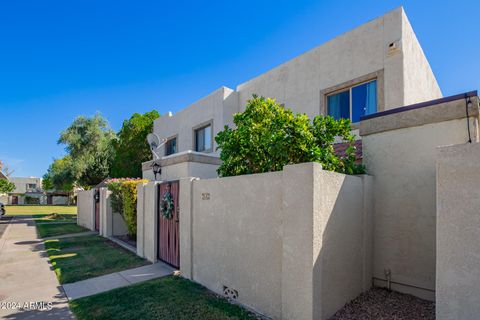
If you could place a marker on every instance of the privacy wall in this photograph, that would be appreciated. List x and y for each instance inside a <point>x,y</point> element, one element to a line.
<point>294,244</point>
<point>458,232</point>
<point>86,209</point>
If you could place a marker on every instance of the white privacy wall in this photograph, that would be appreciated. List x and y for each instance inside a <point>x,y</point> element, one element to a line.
<point>86,209</point>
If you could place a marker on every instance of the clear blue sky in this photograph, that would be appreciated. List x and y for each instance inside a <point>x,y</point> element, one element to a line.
<point>61,59</point>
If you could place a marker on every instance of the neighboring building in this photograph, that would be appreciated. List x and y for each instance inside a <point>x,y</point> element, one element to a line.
<point>28,190</point>
<point>375,67</point>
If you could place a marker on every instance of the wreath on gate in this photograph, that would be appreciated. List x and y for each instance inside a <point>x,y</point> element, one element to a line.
<point>167,206</point>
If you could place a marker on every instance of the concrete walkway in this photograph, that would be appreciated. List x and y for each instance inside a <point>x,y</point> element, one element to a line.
<point>115,280</point>
<point>26,276</point>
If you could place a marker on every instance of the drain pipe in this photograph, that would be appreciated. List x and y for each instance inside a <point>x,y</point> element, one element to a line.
<point>388,276</point>
<point>468,104</point>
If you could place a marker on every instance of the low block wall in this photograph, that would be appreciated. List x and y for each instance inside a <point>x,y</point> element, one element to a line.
<point>59,200</point>
<point>458,232</point>
<point>86,209</point>
<point>294,244</point>
<point>237,238</point>
<point>147,220</point>
<point>111,223</point>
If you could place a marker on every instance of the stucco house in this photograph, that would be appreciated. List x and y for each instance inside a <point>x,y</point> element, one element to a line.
<point>27,190</point>
<point>375,67</point>
<point>301,242</point>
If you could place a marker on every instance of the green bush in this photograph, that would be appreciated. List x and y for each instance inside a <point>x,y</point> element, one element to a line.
<point>268,136</point>
<point>6,186</point>
<point>32,200</point>
<point>124,201</point>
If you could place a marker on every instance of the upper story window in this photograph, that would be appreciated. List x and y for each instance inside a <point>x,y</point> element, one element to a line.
<point>171,146</point>
<point>203,139</point>
<point>31,186</point>
<point>354,102</point>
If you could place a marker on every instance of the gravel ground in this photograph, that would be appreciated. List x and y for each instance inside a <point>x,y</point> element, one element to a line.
<point>383,304</point>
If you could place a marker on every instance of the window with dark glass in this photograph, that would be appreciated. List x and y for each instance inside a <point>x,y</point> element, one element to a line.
<point>354,102</point>
<point>171,146</point>
<point>203,139</point>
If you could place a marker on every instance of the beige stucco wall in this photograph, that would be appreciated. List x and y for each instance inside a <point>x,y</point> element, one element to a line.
<point>119,227</point>
<point>458,235</point>
<point>341,262</point>
<point>188,169</point>
<point>237,238</point>
<point>183,164</point>
<point>419,81</point>
<point>147,216</point>
<point>111,223</point>
<point>364,50</point>
<point>86,209</point>
<point>217,107</point>
<point>295,244</point>
<point>401,159</point>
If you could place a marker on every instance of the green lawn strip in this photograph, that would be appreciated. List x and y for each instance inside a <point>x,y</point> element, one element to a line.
<point>53,218</point>
<point>80,258</point>
<point>37,210</point>
<point>165,298</point>
<point>51,229</point>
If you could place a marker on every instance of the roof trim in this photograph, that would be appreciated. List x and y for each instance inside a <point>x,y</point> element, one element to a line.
<point>421,105</point>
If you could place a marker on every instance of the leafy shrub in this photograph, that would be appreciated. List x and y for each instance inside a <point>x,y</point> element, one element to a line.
<point>268,136</point>
<point>124,201</point>
<point>32,200</point>
<point>6,186</point>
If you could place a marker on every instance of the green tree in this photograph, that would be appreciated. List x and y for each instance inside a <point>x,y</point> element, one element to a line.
<point>268,136</point>
<point>131,147</point>
<point>88,142</point>
<point>60,175</point>
<point>6,186</point>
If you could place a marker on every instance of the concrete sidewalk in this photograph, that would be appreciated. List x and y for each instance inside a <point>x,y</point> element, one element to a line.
<point>115,280</point>
<point>27,283</point>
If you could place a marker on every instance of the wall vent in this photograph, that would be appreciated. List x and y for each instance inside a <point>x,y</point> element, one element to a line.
<point>230,293</point>
<point>394,47</point>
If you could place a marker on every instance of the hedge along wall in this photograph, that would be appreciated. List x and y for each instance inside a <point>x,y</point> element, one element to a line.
<point>124,201</point>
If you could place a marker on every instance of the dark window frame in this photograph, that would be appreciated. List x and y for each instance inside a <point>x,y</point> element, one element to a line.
<point>169,140</point>
<point>195,140</point>
<point>349,90</point>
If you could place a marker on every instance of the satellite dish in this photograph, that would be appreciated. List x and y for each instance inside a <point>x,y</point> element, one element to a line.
<point>155,142</point>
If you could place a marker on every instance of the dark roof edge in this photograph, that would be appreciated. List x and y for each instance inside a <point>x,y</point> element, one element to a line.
<point>420,105</point>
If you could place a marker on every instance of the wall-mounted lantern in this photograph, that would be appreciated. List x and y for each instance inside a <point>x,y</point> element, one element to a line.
<point>156,169</point>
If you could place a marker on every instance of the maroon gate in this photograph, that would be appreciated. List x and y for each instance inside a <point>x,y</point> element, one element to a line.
<point>97,209</point>
<point>168,214</point>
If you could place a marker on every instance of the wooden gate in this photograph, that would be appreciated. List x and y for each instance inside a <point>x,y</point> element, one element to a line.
<point>168,223</point>
<point>97,209</point>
